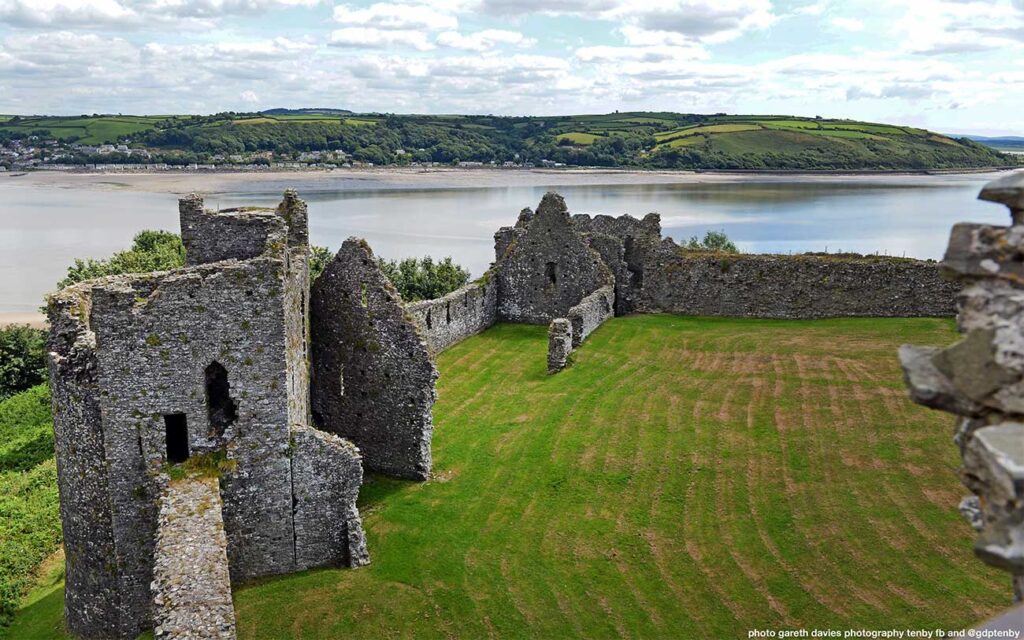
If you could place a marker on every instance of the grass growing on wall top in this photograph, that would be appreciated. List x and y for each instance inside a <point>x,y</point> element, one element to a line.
<point>687,478</point>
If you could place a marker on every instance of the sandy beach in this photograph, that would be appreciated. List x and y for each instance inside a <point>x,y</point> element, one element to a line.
<point>34,320</point>
<point>176,182</point>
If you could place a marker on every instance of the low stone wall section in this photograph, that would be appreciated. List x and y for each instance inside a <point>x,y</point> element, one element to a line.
<point>591,313</point>
<point>559,344</point>
<point>326,474</point>
<point>797,287</point>
<point>451,319</point>
<point>191,583</point>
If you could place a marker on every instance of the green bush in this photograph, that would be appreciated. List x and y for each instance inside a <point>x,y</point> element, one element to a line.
<point>150,251</point>
<point>319,257</point>
<point>22,359</point>
<point>713,241</point>
<point>29,514</point>
<point>422,278</point>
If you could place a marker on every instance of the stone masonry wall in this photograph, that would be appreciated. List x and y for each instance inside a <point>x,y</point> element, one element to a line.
<point>980,379</point>
<point>191,586</point>
<point>452,318</point>
<point>239,234</point>
<point>559,344</point>
<point>326,475</point>
<point>547,267</point>
<point>591,313</point>
<point>627,246</point>
<point>373,376</point>
<point>802,286</point>
<point>92,594</point>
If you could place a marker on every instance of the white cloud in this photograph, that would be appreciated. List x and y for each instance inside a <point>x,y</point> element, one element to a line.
<point>385,15</point>
<point>127,14</point>
<point>372,38</point>
<point>249,97</point>
<point>483,40</point>
<point>848,24</point>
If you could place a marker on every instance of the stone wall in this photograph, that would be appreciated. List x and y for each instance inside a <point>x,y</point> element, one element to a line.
<point>627,246</point>
<point>92,593</point>
<point>210,356</point>
<point>191,584</point>
<point>452,318</point>
<point>239,234</point>
<point>373,376</point>
<point>980,379</point>
<point>547,267</point>
<point>559,344</point>
<point>591,313</point>
<point>800,286</point>
<point>326,475</point>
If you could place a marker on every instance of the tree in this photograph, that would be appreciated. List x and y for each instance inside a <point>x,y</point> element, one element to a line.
<point>424,279</point>
<point>22,359</point>
<point>151,251</point>
<point>713,241</point>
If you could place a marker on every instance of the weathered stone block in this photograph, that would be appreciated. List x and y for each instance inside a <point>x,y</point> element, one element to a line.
<point>929,386</point>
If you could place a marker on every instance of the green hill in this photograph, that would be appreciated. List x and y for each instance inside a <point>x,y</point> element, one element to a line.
<point>639,139</point>
<point>686,478</point>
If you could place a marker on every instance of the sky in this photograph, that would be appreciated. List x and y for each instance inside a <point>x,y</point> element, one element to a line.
<point>954,66</point>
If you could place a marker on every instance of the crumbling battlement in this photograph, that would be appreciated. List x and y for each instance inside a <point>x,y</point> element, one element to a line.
<point>980,379</point>
<point>452,318</point>
<point>150,370</point>
<point>191,585</point>
<point>373,375</point>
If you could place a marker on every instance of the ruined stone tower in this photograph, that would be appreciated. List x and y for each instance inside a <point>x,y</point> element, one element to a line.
<point>148,371</point>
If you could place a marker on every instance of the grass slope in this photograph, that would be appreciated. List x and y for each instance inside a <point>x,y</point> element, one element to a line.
<point>686,478</point>
<point>636,139</point>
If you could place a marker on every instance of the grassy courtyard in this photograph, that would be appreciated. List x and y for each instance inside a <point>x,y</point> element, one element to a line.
<point>686,478</point>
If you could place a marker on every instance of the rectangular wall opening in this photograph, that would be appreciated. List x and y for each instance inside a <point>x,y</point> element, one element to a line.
<point>176,430</point>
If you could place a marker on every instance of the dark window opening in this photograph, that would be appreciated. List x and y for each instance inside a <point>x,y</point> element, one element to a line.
<point>430,325</point>
<point>448,313</point>
<point>549,271</point>
<point>176,430</point>
<point>222,408</point>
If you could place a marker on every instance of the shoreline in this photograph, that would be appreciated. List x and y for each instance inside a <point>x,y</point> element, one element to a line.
<point>215,182</point>
<point>33,319</point>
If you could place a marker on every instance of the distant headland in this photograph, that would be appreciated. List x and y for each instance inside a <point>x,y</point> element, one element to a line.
<point>291,139</point>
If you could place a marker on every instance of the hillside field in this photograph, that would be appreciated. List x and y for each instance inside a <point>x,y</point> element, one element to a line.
<point>686,478</point>
<point>637,139</point>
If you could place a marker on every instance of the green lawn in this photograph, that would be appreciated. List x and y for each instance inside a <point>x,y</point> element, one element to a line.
<point>686,478</point>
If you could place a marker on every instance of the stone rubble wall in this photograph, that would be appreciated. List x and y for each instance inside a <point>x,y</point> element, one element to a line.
<point>92,593</point>
<point>452,318</point>
<point>980,379</point>
<point>373,374</point>
<point>796,287</point>
<point>559,344</point>
<point>326,475</point>
<point>547,267</point>
<point>591,313</point>
<point>212,236</point>
<point>627,246</point>
<point>129,350</point>
<point>191,584</point>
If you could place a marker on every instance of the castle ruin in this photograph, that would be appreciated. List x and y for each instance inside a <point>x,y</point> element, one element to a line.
<point>276,394</point>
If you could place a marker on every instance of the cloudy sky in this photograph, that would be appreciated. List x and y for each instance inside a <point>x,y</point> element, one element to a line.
<point>953,66</point>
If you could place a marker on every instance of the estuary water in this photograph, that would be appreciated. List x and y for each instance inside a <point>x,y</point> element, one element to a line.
<point>43,227</point>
